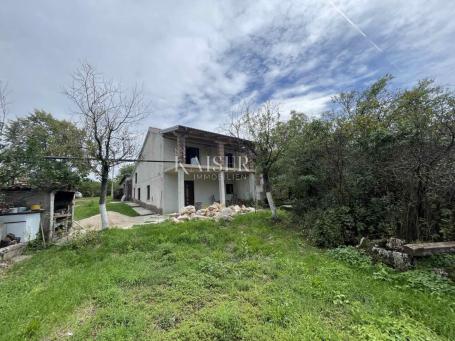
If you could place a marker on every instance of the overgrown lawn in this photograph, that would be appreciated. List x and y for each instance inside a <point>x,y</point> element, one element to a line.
<point>249,279</point>
<point>88,207</point>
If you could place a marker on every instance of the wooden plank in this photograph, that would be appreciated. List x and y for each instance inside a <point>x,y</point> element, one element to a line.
<point>428,249</point>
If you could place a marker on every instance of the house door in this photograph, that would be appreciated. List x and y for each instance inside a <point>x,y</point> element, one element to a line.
<point>189,193</point>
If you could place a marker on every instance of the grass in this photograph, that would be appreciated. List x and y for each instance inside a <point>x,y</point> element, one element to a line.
<point>88,207</point>
<point>248,279</point>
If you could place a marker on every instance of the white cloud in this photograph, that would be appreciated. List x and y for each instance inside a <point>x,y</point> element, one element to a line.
<point>312,104</point>
<point>198,59</point>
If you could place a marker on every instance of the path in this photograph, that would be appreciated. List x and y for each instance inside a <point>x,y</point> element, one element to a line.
<point>119,220</point>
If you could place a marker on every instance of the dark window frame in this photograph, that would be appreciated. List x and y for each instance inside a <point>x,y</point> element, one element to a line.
<point>229,188</point>
<point>191,152</point>
<point>139,193</point>
<point>148,192</point>
<point>135,178</point>
<point>229,158</point>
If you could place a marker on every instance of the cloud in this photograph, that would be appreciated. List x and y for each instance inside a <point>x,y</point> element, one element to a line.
<point>198,59</point>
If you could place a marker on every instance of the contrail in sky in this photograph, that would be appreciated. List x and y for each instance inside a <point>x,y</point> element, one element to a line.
<point>363,34</point>
<point>357,28</point>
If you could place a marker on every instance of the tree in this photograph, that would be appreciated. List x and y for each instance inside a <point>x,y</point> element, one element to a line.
<point>125,169</point>
<point>381,164</point>
<point>3,109</point>
<point>107,114</point>
<point>29,139</point>
<point>265,137</point>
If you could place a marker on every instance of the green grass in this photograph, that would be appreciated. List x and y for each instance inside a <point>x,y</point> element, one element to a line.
<point>249,279</point>
<point>88,207</point>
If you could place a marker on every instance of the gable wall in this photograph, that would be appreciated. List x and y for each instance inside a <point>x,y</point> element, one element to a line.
<point>149,173</point>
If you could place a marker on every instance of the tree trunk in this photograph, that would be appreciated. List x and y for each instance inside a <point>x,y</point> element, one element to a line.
<point>103,194</point>
<point>268,195</point>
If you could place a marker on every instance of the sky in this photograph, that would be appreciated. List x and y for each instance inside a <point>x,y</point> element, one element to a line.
<point>197,60</point>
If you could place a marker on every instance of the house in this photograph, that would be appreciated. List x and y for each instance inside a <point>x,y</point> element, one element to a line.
<point>126,186</point>
<point>182,166</point>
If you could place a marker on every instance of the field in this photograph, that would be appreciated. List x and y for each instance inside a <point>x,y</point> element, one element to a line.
<point>88,207</point>
<point>248,279</point>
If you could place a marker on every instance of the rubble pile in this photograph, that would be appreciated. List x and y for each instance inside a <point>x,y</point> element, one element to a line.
<point>10,239</point>
<point>215,211</point>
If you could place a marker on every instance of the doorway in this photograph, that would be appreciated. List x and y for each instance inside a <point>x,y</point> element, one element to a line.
<point>189,193</point>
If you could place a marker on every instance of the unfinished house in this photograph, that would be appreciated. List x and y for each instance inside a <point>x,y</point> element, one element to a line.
<point>186,166</point>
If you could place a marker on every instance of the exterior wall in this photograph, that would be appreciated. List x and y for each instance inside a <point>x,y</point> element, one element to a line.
<point>170,203</point>
<point>242,189</point>
<point>163,186</point>
<point>205,190</point>
<point>150,173</point>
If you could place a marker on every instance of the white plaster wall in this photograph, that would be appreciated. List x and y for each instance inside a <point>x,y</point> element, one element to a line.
<point>163,186</point>
<point>204,189</point>
<point>150,173</point>
<point>170,197</point>
<point>242,188</point>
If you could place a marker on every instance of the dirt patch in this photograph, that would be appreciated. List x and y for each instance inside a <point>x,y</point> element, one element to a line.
<point>116,220</point>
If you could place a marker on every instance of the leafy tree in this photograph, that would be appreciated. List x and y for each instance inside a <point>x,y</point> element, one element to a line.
<point>89,188</point>
<point>125,169</point>
<point>382,160</point>
<point>265,137</point>
<point>30,139</point>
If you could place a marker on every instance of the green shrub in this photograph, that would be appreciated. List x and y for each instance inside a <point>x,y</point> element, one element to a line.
<point>331,227</point>
<point>351,256</point>
<point>424,280</point>
<point>82,240</point>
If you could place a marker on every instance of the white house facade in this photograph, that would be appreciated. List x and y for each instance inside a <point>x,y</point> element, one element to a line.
<point>182,166</point>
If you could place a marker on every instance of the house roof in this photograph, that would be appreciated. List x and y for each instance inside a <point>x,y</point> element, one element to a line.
<point>201,134</point>
<point>124,177</point>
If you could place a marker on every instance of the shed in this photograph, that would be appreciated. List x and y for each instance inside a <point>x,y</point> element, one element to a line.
<point>56,210</point>
<point>126,185</point>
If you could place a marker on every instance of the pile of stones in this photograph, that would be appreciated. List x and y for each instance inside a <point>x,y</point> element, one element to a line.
<point>215,211</point>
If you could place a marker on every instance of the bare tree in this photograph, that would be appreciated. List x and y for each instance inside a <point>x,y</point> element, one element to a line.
<point>3,106</point>
<point>264,136</point>
<point>107,114</point>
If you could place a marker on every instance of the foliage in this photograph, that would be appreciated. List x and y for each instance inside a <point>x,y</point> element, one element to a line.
<point>422,278</point>
<point>381,163</point>
<point>264,136</point>
<point>88,207</point>
<point>30,139</point>
<point>426,281</point>
<point>249,280</point>
<point>351,256</point>
<point>84,240</point>
<point>89,188</point>
<point>125,169</point>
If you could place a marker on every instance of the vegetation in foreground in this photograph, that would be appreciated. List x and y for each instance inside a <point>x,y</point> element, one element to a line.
<point>248,279</point>
<point>381,164</point>
<point>88,207</point>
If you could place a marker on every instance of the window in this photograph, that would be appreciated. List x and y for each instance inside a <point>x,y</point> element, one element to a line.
<point>229,188</point>
<point>191,155</point>
<point>138,194</point>
<point>148,192</point>
<point>229,159</point>
<point>135,178</point>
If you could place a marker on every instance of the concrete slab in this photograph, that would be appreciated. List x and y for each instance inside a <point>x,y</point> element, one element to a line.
<point>428,249</point>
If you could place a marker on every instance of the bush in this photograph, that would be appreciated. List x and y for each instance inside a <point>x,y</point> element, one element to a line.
<point>351,256</point>
<point>82,240</point>
<point>330,228</point>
